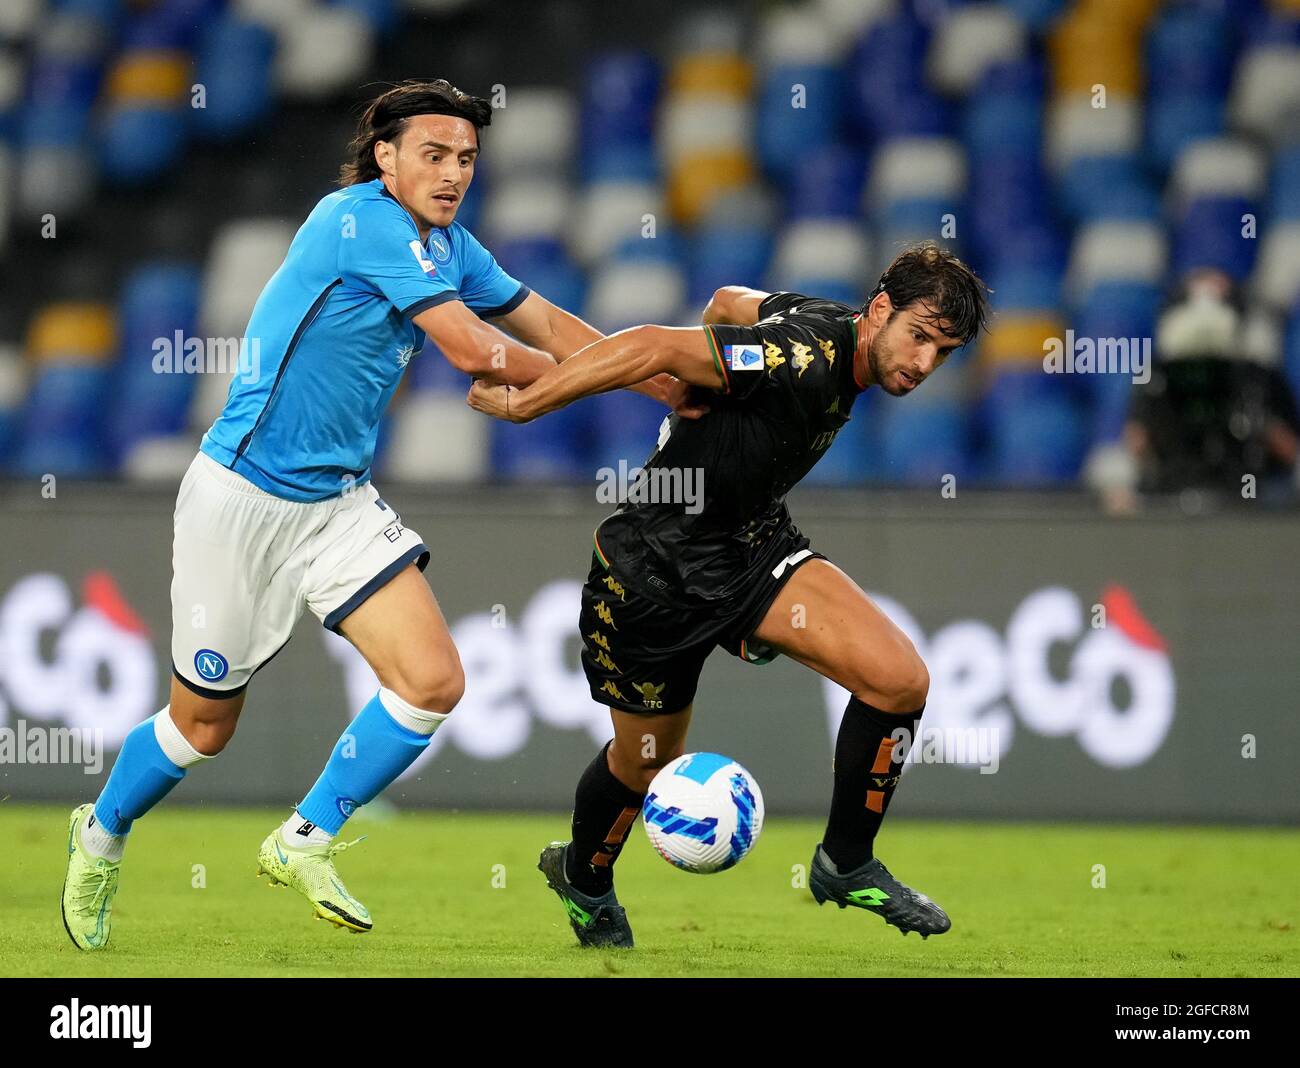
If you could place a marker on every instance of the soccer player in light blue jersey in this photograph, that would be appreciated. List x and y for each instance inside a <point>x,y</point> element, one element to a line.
<point>277,511</point>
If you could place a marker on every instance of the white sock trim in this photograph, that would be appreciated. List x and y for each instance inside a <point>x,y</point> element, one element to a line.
<point>410,717</point>
<point>174,744</point>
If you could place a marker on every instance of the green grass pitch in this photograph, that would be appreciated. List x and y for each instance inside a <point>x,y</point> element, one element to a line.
<point>458,894</point>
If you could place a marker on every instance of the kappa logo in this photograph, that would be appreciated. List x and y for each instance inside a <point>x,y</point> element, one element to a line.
<point>773,355</point>
<point>605,615</point>
<point>612,690</point>
<point>828,350</point>
<point>803,356</point>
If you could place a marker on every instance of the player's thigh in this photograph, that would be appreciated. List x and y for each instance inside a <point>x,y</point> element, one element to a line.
<point>645,742</point>
<point>824,620</point>
<point>401,632</point>
<point>207,723</point>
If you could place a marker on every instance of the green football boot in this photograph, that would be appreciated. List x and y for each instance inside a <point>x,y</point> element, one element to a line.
<point>89,888</point>
<point>311,872</point>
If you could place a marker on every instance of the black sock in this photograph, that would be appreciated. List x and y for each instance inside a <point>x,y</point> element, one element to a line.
<point>603,813</point>
<point>866,776</point>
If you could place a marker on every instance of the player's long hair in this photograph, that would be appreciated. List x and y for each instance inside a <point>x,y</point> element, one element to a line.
<point>387,115</point>
<point>936,278</point>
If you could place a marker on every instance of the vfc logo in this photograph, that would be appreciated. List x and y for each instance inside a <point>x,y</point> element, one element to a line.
<point>889,782</point>
<point>650,693</point>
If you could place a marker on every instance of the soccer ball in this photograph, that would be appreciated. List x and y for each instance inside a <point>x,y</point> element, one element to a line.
<point>703,812</point>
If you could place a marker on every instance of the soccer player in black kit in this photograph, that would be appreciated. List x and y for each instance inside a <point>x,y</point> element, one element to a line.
<point>668,584</point>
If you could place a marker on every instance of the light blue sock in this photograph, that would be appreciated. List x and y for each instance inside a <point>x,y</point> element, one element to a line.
<point>141,777</point>
<point>369,756</point>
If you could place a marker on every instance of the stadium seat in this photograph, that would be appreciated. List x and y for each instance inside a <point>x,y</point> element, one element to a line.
<point>554,449</point>
<point>235,62</point>
<point>535,133</point>
<point>970,40</point>
<point>1116,252</point>
<point>609,212</point>
<point>436,437</point>
<point>1209,233</point>
<point>1284,187</point>
<point>624,426</point>
<point>1276,278</point>
<point>922,441</point>
<point>619,94</point>
<point>1220,167</point>
<point>1075,129</point>
<point>1035,432</point>
<point>528,206</point>
<point>853,458</point>
<point>827,184</point>
<point>13,390</point>
<point>158,302</point>
<point>931,168</point>
<point>243,256</point>
<point>1176,121</point>
<point>820,249</point>
<point>62,421</point>
<point>1189,51</point>
<point>160,459</point>
<point>324,53</point>
<point>624,294</point>
<point>1266,90</point>
<point>720,256</point>
<point>1001,124</point>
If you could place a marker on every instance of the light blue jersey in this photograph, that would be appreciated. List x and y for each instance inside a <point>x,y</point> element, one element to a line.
<point>334,334</point>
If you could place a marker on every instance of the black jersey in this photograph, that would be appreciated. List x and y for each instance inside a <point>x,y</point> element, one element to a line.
<point>789,388</point>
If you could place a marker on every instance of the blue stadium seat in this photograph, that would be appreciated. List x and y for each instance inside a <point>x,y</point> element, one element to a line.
<point>62,422</point>
<point>923,441</point>
<point>1209,235</point>
<point>1035,431</point>
<point>1037,14</point>
<point>827,184</point>
<point>1022,77</point>
<point>1092,186</point>
<point>619,94</point>
<point>723,256</point>
<point>841,289</point>
<point>887,96</point>
<point>554,449</point>
<point>382,15</point>
<point>235,63</point>
<point>1291,353</point>
<point>786,134</point>
<point>1189,51</point>
<point>620,161</point>
<point>60,125</point>
<point>1174,121</point>
<point>157,301</point>
<point>1284,189</point>
<point>137,144</point>
<point>1002,124</point>
<point>1118,309</point>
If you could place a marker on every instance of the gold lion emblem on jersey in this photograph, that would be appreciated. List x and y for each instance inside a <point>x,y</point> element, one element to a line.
<point>772,355</point>
<point>650,693</point>
<point>803,356</point>
<point>828,350</point>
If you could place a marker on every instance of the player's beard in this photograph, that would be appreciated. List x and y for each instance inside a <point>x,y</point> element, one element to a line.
<point>880,362</point>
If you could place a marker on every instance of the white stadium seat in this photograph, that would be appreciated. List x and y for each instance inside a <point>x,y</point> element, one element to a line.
<point>13,377</point>
<point>851,18</point>
<point>245,253</point>
<point>528,207</point>
<point>533,132</point>
<point>19,18</point>
<point>627,293</point>
<point>1265,95</point>
<point>436,437</point>
<point>915,167</point>
<point>56,179</point>
<point>273,14</point>
<point>789,35</point>
<point>1276,279</point>
<point>1075,129</point>
<point>703,123</point>
<point>969,41</point>
<point>817,248</point>
<point>160,459</point>
<point>1219,167</point>
<point>1116,251</point>
<point>324,53</point>
<point>610,212</point>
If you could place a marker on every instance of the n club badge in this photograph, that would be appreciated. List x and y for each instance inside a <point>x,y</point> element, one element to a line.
<point>440,246</point>
<point>745,357</point>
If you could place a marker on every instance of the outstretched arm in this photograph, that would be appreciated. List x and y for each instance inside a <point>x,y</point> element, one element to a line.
<point>624,359</point>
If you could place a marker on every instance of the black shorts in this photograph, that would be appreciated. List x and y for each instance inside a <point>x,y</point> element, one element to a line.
<point>642,656</point>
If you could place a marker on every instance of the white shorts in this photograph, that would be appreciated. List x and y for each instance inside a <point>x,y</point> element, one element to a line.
<point>245,563</point>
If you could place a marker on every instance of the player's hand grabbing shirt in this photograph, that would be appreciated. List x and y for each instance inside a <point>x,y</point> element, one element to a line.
<point>788,388</point>
<point>331,335</point>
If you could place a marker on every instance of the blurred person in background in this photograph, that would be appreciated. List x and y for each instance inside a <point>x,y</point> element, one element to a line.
<point>1212,413</point>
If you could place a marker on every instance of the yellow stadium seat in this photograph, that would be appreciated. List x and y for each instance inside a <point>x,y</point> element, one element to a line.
<point>149,77</point>
<point>696,182</point>
<point>1088,51</point>
<point>1285,7</point>
<point>712,72</point>
<point>80,332</point>
<point>1019,338</point>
